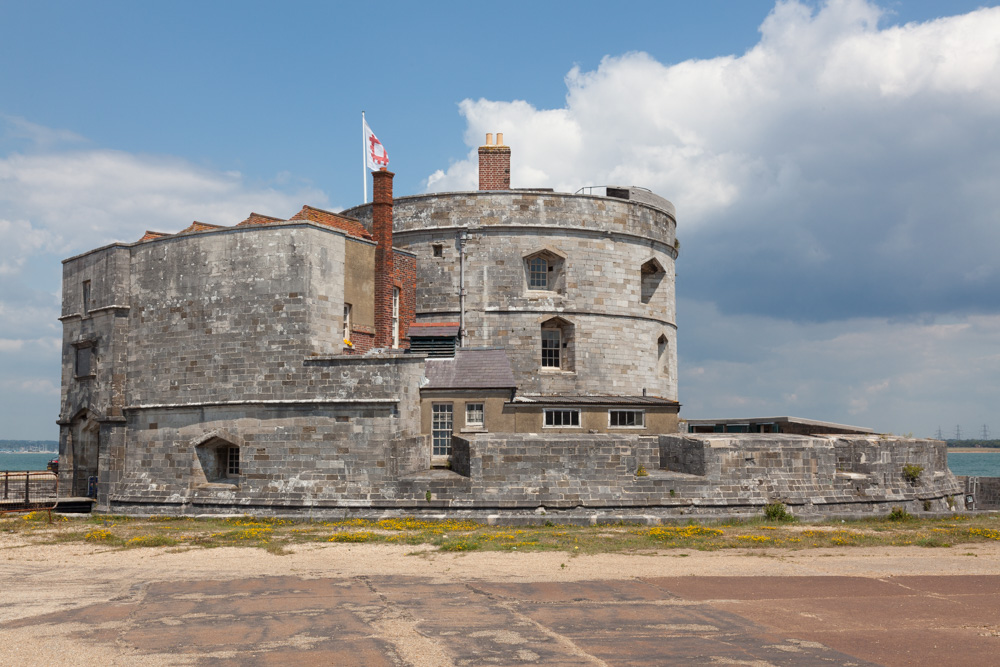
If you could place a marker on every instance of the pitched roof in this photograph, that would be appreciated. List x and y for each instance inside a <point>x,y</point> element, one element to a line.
<point>258,219</point>
<point>199,227</point>
<point>472,368</point>
<point>434,329</point>
<point>149,236</point>
<point>595,400</point>
<point>319,216</point>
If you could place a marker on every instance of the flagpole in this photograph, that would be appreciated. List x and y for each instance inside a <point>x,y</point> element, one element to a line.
<point>364,165</point>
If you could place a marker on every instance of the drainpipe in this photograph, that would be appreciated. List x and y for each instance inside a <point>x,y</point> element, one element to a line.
<point>461,288</point>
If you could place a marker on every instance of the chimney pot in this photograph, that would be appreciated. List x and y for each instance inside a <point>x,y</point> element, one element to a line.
<point>499,138</point>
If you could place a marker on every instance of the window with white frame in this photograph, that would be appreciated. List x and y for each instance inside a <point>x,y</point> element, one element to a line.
<point>475,415</point>
<point>538,273</point>
<point>562,417</point>
<point>543,271</point>
<point>442,425</point>
<point>551,346</point>
<point>395,317</point>
<point>626,418</point>
<point>347,321</point>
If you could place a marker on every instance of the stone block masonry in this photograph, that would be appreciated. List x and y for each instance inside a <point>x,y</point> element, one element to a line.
<point>339,459</point>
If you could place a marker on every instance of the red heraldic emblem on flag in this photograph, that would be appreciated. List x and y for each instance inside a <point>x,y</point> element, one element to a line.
<point>375,155</point>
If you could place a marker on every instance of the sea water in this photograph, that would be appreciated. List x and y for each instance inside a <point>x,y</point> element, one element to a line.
<point>975,464</point>
<point>25,460</point>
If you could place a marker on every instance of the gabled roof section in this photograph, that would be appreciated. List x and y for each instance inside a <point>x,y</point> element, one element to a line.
<point>319,216</point>
<point>472,368</point>
<point>258,219</point>
<point>199,227</point>
<point>149,236</point>
<point>433,329</point>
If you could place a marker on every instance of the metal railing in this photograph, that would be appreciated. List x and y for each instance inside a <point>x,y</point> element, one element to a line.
<point>28,491</point>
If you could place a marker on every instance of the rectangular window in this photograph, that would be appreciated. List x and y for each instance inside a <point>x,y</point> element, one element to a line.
<point>438,250</point>
<point>233,462</point>
<point>565,418</point>
<point>86,297</point>
<point>395,317</point>
<point>626,418</point>
<point>442,425</point>
<point>551,343</point>
<point>474,414</point>
<point>82,363</point>
<point>347,321</point>
<point>538,273</point>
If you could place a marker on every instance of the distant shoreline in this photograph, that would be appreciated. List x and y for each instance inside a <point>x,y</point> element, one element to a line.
<point>975,450</point>
<point>8,451</point>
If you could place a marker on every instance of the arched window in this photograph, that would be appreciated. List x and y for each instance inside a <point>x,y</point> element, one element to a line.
<point>557,345</point>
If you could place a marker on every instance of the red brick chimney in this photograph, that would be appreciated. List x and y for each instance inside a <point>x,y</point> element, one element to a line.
<point>384,270</point>
<point>494,164</point>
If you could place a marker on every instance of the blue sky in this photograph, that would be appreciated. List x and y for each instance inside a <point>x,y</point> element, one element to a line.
<point>833,165</point>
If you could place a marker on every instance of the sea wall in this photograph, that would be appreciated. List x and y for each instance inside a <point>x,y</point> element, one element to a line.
<point>342,472</point>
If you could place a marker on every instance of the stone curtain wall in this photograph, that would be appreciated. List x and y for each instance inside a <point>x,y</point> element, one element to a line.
<point>985,491</point>
<point>343,432</point>
<point>305,458</point>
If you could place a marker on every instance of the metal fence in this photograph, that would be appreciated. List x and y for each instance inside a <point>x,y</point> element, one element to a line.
<point>28,491</point>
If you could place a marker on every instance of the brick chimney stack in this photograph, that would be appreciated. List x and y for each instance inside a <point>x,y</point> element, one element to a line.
<point>494,164</point>
<point>384,270</point>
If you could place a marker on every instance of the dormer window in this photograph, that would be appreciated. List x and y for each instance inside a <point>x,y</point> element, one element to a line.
<point>543,271</point>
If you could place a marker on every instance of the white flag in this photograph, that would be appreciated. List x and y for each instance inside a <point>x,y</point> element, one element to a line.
<point>375,155</point>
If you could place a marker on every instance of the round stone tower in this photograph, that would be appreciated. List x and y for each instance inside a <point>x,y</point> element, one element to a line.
<point>577,288</point>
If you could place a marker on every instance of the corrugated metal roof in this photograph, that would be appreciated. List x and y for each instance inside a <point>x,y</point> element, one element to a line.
<point>472,368</point>
<point>595,400</point>
<point>433,329</point>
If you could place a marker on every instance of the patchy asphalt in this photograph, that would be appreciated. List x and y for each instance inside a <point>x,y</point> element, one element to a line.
<point>401,620</point>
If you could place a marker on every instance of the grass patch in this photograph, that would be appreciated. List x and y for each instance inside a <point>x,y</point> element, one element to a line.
<point>277,536</point>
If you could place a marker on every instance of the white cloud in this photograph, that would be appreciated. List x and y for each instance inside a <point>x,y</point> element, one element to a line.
<point>837,169</point>
<point>893,376</point>
<point>73,201</point>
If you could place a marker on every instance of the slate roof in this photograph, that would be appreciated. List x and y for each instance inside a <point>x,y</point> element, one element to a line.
<point>595,400</point>
<point>472,368</point>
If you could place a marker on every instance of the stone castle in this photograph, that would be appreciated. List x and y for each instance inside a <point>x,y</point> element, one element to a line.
<point>497,350</point>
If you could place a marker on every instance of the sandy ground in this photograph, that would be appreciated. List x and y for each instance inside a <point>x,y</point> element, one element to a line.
<point>53,579</point>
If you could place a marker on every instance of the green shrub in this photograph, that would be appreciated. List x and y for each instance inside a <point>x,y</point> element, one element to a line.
<point>912,472</point>
<point>899,514</point>
<point>777,512</point>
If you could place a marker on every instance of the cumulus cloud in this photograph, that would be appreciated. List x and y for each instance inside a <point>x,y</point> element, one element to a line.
<point>836,199</point>
<point>836,169</point>
<point>76,200</point>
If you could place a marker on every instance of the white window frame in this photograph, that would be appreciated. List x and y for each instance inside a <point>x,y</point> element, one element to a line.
<point>572,414</point>
<point>640,422</point>
<point>395,317</point>
<point>538,273</point>
<point>471,411</point>
<point>347,321</point>
<point>442,414</point>
<point>558,348</point>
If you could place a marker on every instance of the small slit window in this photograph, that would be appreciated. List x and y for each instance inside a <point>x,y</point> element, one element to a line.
<point>438,250</point>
